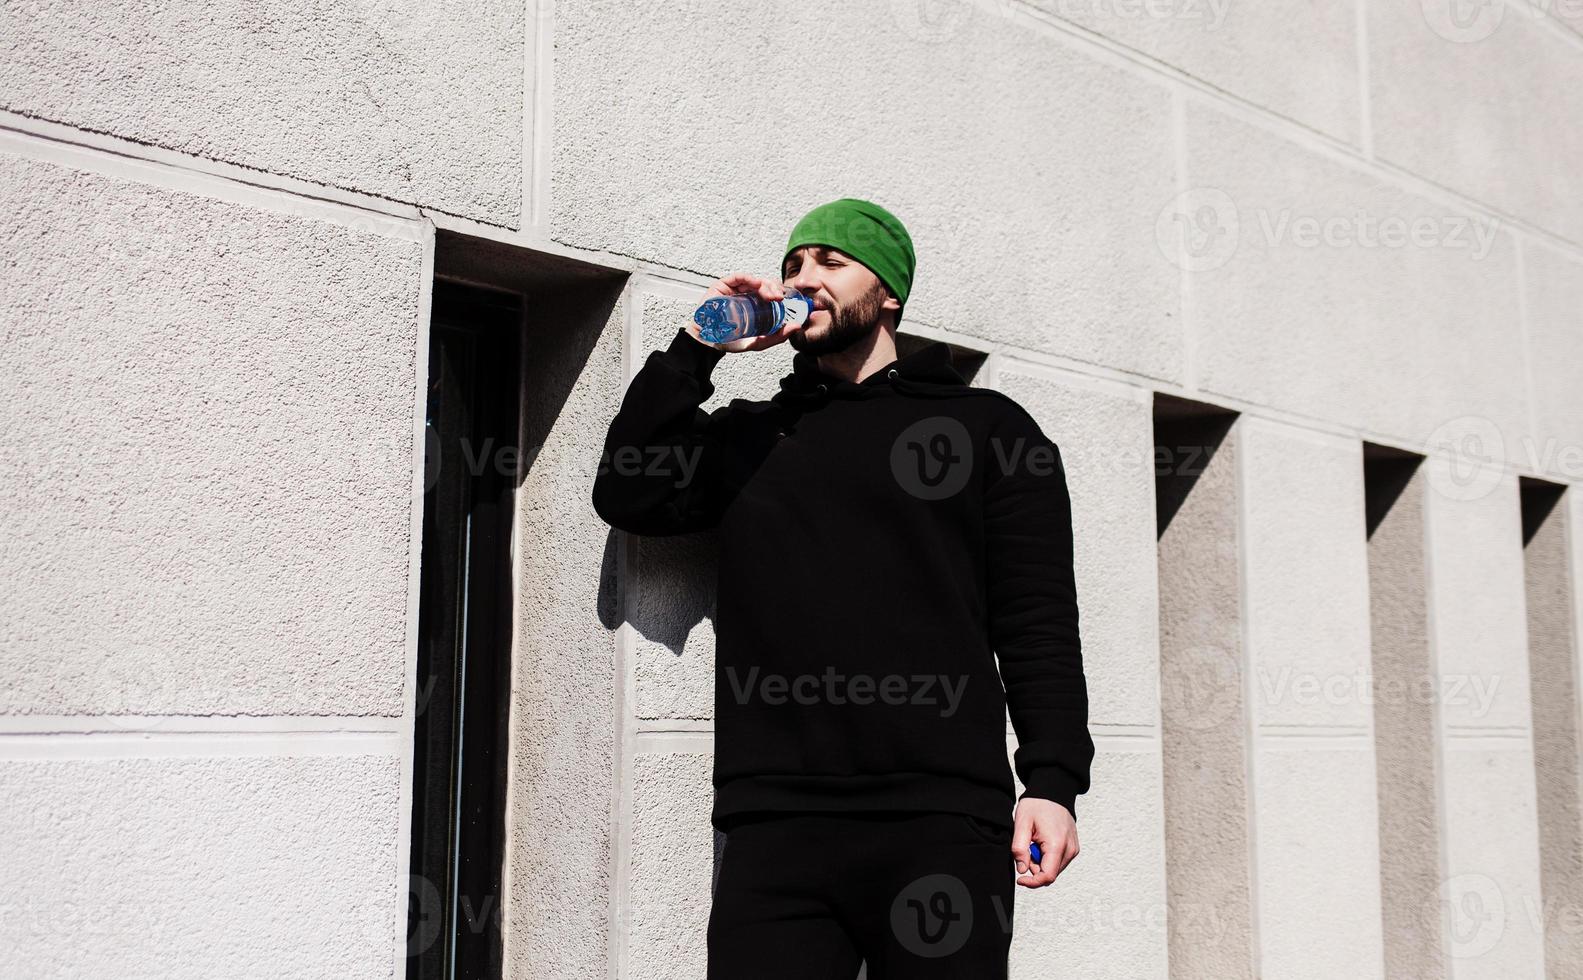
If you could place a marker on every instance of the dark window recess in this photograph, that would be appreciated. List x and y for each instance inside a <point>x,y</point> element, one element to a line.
<point>464,645</point>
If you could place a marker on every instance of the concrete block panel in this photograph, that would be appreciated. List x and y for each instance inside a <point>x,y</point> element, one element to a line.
<point>1307,606</point>
<point>1491,899</point>
<point>672,848</point>
<point>194,868</point>
<point>418,101</point>
<point>208,451</point>
<point>1032,207</point>
<point>1105,435</point>
<point>1477,604</point>
<point>1484,101</point>
<point>1298,60</point>
<point>1317,860</point>
<point>1553,284</point>
<point>1106,916</point>
<point>1317,289</point>
<point>1490,902</point>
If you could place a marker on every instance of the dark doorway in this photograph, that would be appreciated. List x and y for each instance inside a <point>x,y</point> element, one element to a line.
<point>464,623</point>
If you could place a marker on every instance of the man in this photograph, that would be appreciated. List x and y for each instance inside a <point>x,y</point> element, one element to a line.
<point>885,531</point>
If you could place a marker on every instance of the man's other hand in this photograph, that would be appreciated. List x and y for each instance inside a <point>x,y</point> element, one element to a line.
<point>1054,827</point>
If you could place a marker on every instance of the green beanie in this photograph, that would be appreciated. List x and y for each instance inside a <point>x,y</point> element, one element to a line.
<point>866,232</point>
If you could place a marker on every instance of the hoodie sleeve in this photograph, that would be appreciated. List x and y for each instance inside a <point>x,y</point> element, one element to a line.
<point>1032,603</point>
<point>658,472</point>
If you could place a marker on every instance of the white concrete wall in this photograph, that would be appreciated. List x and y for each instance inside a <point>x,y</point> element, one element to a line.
<point>1345,220</point>
<point>209,439</point>
<point>1314,837</point>
<point>1477,614</point>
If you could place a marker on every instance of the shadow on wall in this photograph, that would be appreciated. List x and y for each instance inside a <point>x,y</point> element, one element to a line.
<point>672,585</point>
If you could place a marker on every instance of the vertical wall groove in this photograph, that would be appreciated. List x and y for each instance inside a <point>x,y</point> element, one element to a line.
<point>1404,725</point>
<point>1203,734</point>
<point>1552,659</point>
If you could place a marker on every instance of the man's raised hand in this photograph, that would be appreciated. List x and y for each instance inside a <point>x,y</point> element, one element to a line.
<point>741,282</point>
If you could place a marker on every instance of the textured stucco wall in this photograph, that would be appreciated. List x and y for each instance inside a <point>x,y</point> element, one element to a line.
<point>418,101</point>
<point>208,448</point>
<point>1345,219</point>
<point>199,865</point>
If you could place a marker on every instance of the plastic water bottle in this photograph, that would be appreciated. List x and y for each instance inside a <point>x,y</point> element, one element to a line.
<point>722,319</point>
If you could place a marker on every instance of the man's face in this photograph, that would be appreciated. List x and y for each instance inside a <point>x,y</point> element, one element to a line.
<point>848,298</point>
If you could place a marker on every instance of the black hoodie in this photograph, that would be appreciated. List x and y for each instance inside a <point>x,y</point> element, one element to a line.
<point>880,543</point>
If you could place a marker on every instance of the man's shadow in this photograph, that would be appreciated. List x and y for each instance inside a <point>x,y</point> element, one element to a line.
<point>670,585</point>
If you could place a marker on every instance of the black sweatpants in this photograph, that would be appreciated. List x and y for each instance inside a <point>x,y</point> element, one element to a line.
<point>810,896</point>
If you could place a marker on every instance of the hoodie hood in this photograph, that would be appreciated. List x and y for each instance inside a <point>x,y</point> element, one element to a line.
<point>926,370</point>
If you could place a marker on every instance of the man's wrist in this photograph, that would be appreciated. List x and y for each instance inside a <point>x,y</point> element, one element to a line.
<point>692,354</point>
<point>1052,784</point>
<point>1068,806</point>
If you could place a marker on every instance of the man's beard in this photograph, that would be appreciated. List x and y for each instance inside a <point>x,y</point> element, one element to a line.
<point>847,325</point>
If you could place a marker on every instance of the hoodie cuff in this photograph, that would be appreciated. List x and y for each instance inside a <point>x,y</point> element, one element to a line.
<point>692,355</point>
<point>1050,783</point>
